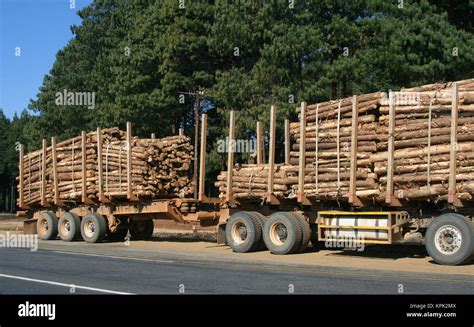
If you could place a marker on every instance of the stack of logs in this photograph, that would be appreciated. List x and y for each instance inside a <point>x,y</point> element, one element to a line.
<point>422,147</point>
<point>168,166</point>
<point>159,168</point>
<point>69,168</point>
<point>328,134</point>
<point>422,134</point>
<point>250,181</point>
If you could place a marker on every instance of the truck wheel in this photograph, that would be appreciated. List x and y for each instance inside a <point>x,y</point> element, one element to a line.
<point>282,234</point>
<point>243,232</point>
<point>142,229</point>
<point>263,220</point>
<point>306,231</point>
<point>450,239</point>
<point>69,226</point>
<point>93,228</point>
<point>47,226</point>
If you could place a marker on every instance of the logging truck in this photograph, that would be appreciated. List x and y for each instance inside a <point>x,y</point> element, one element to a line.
<point>283,225</point>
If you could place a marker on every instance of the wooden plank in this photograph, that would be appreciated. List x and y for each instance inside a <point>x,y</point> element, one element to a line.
<point>271,153</point>
<point>338,145</point>
<point>202,167</point>
<point>181,131</point>
<point>353,172</point>
<point>230,156</point>
<point>316,152</point>
<point>130,194</point>
<point>389,196</point>
<point>100,167</point>
<point>260,154</point>
<point>55,171</point>
<point>302,162</point>
<point>83,161</point>
<point>453,146</point>
<point>428,167</point>
<point>43,173</point>
<point>153,136</point>
<point>21,185</point>
<point>287,141</point>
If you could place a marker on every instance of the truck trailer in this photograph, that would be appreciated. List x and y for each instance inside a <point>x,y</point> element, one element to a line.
<point>282,222</point>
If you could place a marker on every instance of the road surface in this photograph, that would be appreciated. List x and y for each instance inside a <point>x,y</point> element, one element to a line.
<point>79,268</point>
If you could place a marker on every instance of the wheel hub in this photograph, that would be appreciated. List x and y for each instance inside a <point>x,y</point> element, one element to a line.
<point>448,239</point>
<point>242,232</point>
<point>278,233</point>
<point>239,232</point>
<point>282,233</point>
<point>89,228</point>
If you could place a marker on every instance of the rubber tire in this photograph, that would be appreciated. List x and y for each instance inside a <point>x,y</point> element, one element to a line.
<point>466,228</point>
<point>294,233</point>
<point>52,222</point>
<point>100,230</point>
<point>263,220</point>
<point>137,234</point>
<point>74,223</point>
<point>254,232</point>
<point>306,231</point>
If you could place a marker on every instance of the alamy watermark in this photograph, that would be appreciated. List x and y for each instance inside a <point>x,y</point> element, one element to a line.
<point>406,98</point>
<point>29,241</point>
<point>28,309</point>
<point>346,243</point>
<point>237,146</point>
<point>69,98</point>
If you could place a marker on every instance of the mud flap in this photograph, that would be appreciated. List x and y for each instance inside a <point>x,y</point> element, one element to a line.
<point>29,226</point>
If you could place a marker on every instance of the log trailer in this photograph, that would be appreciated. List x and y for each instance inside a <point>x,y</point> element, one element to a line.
<point>282,225</point>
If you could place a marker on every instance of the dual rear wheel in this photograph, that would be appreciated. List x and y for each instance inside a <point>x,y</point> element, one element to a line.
<point>92,227</point>
<point>281,233</point>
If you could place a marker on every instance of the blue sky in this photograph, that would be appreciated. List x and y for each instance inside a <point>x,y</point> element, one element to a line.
<point>40,28</point>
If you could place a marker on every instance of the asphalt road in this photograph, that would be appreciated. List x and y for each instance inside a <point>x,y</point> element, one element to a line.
<point>55,272</point>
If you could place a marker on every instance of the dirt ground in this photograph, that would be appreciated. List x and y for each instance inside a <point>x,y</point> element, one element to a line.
<point>10,222</point>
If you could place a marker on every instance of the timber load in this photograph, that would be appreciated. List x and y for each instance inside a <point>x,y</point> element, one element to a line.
<point>250,181</point>
<point>99,166</point>
<point>413,145</point>
<point>433,142</point>
<point>328,143</point>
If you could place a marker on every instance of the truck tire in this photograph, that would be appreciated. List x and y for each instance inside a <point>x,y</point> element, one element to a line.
<point>283,233</point>
<point>69,226</point>
<point>141,229</point>
<point>93,228</point>
<point>306,231</point>
<point>263,220</point>
<point>243,232</point>
<point>47,226</point>
<point>449,239</point>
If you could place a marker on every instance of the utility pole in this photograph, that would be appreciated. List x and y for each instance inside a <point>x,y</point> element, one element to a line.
<point>197,114</point>
<point>196,137</point>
